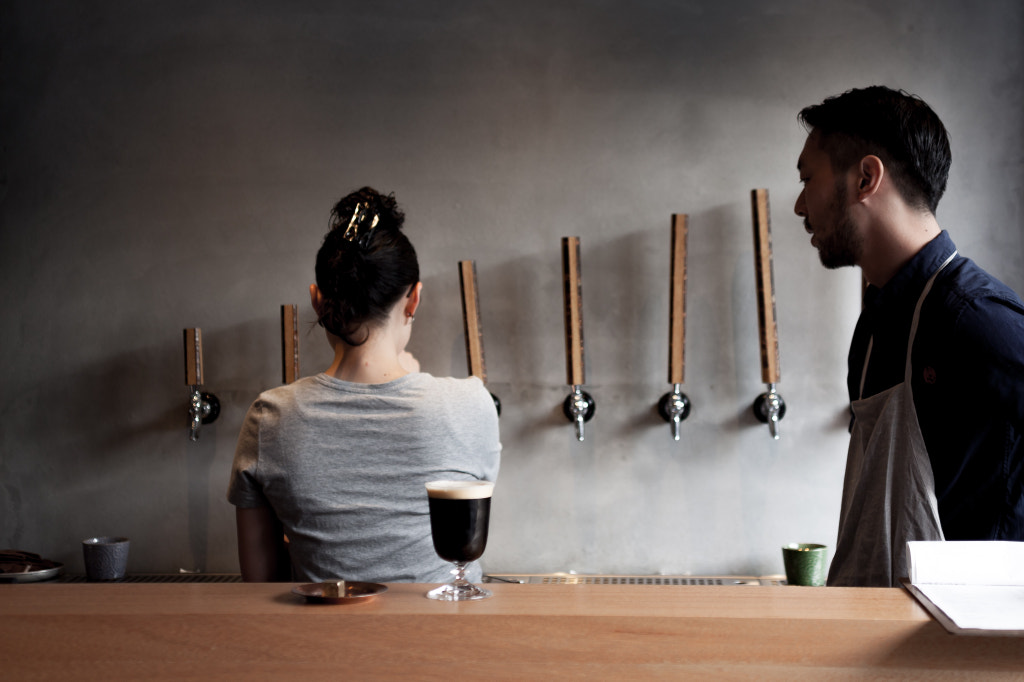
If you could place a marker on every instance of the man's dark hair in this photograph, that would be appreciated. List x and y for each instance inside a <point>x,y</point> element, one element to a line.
<point>895,126</point>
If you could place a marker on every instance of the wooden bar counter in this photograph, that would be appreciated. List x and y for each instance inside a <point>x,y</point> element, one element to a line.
<point>135,631</point>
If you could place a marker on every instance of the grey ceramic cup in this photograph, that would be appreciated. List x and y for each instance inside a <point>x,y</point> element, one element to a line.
<point>805,563</point>
<point>106,558</point>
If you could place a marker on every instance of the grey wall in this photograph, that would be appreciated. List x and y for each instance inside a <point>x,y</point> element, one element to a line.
<point>172,164</point>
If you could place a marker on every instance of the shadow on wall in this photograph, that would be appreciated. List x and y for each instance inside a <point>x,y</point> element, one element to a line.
<point>96,436</point>
<point>627,280</point>
<point>121,461</point>
<point>523,298</point>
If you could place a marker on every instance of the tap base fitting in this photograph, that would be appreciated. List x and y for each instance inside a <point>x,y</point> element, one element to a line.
<point>211,408</point>
<point>672,404</point>
<point>569,408</point>
<point>761,409</point>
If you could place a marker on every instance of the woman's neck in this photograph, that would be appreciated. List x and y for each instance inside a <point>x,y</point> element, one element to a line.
<point>369,363</point>
<point>376,361</point>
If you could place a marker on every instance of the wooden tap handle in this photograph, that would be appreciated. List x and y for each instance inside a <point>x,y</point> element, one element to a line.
<point>471,320</point>
<point>765,276</point>
<point>573,293</point>
<point>677,301</point>
<point>194,357</point>
<point>289,342</point>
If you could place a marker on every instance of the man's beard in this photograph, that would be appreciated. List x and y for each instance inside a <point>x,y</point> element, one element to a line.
<point>841,245</point>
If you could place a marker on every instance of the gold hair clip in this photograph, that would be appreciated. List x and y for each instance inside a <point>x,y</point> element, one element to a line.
<point>357,230</point>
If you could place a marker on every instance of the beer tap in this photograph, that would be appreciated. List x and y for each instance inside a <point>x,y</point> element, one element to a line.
<point>674,407</point>
<point>471,325</point>
<point>204,408</point>
<point>289,343</point>
<point>769,407</point>
<point>578,406</point>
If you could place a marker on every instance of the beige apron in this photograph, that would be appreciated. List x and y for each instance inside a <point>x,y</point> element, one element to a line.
<point>889,488</point>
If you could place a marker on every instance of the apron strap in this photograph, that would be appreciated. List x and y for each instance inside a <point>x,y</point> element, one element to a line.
<point>917,314</point>
<point>864,370</point>
<point>913,328</point>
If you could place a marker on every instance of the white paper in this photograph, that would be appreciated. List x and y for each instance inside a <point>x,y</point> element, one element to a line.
<point>982,607</point>
<point>977,585</point>
<point>966,562</point>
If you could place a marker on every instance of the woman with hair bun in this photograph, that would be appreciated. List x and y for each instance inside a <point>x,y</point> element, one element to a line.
<point>337,462</point>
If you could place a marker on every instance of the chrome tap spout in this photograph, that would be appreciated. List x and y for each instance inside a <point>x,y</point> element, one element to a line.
<point>674,407</point>
<point>195,413</point>
<point>770,408</point>
<point>579,409</point>
<point>204,408</point>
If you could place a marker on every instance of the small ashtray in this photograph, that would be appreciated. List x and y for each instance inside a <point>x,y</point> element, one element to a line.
<point>339,592</point>
<point>17,566</point>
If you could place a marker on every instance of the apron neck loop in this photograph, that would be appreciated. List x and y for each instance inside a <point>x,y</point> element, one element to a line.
<point>913,327</point>
<point>917,314</point>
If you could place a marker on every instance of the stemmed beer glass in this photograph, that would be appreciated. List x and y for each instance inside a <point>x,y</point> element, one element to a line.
<point>459,515</point>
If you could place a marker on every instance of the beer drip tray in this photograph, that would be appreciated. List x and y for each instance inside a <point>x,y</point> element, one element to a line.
<point>522,579</point>
<point>580,579</point>
<point>164,578</point>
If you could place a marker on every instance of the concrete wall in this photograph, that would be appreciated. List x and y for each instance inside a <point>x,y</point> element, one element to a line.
<point>172,164</point>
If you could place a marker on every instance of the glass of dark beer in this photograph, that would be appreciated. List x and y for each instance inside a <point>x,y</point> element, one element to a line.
<point>459,515</point>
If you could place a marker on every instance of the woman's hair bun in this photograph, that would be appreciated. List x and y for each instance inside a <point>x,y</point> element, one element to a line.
<point>347,266</point>
<point>363,274</point>
<point>383,207</point>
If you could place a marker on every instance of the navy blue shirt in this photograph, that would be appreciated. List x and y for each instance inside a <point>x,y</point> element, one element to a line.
<point>968,384</point>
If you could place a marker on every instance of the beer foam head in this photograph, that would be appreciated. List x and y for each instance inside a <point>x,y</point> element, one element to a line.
<point>460,490</point>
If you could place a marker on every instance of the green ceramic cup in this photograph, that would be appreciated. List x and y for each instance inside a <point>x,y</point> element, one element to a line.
<point>805,564</point>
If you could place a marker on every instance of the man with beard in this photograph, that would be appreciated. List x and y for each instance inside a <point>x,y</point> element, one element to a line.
<point>936,365</point>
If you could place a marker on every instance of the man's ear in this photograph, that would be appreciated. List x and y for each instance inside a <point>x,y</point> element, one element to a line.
<point>870,172</point>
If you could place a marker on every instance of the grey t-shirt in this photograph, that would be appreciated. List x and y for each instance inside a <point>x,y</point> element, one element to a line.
<point>343,465</point>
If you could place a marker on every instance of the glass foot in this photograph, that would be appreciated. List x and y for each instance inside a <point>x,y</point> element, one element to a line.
<point>459,591</point>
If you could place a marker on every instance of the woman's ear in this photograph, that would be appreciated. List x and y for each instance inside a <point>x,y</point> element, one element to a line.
<point>413,299</point>
<point>315,297</point>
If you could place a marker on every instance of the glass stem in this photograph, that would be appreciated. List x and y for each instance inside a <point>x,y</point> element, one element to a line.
<point>460,572</point>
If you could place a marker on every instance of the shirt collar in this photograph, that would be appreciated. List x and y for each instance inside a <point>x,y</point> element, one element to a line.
<point>908,283</point>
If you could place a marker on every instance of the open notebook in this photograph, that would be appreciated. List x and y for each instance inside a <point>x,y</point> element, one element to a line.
<point>970,587</point>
